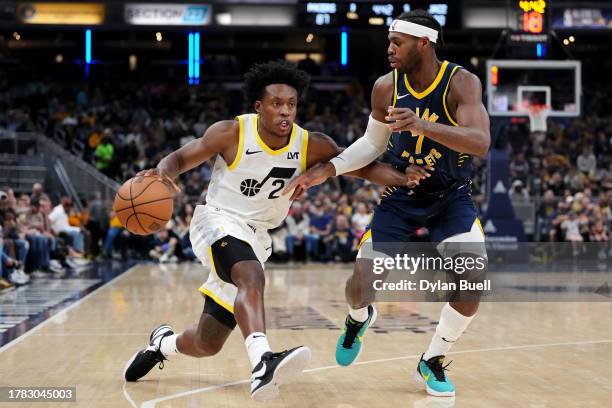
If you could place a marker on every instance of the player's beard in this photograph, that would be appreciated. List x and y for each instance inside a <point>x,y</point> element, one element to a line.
<point>413,63</point>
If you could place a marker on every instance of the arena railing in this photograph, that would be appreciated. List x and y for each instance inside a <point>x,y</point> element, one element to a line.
<point>84,179</point>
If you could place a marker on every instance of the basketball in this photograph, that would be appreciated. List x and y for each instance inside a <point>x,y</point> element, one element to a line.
<point>144,204</point>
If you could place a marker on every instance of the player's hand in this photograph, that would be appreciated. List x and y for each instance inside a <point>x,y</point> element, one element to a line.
<point>313,176</point>
<point>414,174</point>
<point>161,176</point>
<point>298,194</point>
<point>404,119</point>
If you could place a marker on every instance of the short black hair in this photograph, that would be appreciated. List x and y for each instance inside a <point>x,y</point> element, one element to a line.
<point>273,72</point>
<point>424,18</point>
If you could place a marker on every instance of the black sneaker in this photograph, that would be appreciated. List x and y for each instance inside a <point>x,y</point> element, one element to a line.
<point>144,360</point>
<point>276,369</point>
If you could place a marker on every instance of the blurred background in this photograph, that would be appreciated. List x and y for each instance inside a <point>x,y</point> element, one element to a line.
<point>93,92</point>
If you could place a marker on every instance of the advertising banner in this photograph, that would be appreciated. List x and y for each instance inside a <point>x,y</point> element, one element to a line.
<point>61,13</point>
<point>167,14</point>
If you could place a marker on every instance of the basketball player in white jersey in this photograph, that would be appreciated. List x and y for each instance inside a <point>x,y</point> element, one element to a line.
<point>257,155</point>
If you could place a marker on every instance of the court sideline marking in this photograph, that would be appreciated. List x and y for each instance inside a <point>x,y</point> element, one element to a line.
<point>153,402</point>
<point>65,310</point>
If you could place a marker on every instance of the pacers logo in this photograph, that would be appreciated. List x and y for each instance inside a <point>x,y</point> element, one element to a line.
<point>250,187</point>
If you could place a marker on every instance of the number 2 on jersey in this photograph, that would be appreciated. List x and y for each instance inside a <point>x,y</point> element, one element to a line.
<point>281,184</point>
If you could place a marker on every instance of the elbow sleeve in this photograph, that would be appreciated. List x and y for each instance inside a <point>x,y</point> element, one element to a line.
<point>365,149</point>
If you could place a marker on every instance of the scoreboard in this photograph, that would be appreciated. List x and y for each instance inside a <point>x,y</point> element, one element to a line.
<point>532,16</point>
<point>532,22</point>
<point>363,14</point>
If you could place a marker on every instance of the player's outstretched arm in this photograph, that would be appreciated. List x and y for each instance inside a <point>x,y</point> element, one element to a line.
<point>472,136</point>
<point>376,137</point>
<point>363,151</point>
<point>321,148</point>
<point>220,138</point>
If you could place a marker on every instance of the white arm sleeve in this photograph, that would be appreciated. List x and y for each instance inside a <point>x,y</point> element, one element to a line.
<point>365,149</point>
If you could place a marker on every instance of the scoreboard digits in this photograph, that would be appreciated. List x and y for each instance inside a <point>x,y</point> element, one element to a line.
<point>533,16</point>
<point>366,13</point>
<point>321,14</point>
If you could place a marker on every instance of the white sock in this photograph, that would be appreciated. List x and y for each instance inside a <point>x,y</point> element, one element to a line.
<point>256,344</point>
<point>168,345</point>
<point>451,326</point>
<point>359,315</point>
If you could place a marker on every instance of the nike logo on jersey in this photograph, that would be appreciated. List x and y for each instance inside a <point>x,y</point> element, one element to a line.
<point>402,96</point>
<point>448,341</point>
<point>249,152</point>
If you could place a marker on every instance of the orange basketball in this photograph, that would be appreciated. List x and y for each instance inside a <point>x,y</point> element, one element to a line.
<point>144,204</point>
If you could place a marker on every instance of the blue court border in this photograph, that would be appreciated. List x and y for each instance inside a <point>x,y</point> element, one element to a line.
<point>106,271</point>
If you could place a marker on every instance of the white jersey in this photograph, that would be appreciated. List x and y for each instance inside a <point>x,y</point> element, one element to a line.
<point>250,188</point>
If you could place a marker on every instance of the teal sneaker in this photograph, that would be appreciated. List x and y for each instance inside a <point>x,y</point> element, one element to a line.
<point>349,344</point>
<point>430,373</point>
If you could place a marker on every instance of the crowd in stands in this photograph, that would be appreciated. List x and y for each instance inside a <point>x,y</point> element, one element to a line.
<point>38,239</point>
<point>568,171</point>
<point>125,128</point>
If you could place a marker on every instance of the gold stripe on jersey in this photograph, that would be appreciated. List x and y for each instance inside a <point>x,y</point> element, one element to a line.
<point>240,143</point>
<point>448,115</point>
<point>480,226</point>
<point>264,146</point>
<point>366,235</point>
<point>394,86</point>
<point>434,84</point>
<point>304,149</point>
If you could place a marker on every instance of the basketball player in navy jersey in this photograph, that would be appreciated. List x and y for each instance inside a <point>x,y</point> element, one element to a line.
<point>429,117</point>
<point>256,155</point>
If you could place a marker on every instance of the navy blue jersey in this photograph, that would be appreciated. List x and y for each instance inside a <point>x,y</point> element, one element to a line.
<point>451,168</point>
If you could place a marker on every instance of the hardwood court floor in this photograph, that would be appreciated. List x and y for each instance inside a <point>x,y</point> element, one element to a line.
<point>513,354</point>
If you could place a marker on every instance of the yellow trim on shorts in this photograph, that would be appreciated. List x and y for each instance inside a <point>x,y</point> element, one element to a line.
<point>366,235</point>
<point>216,299</point>
<point>208,292</point>
<point>430,88</point>
<point>264,146</point>
<point>304,149</point>
<point>448,115</point>
<point>240,143</point>
<point>477,221</point>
